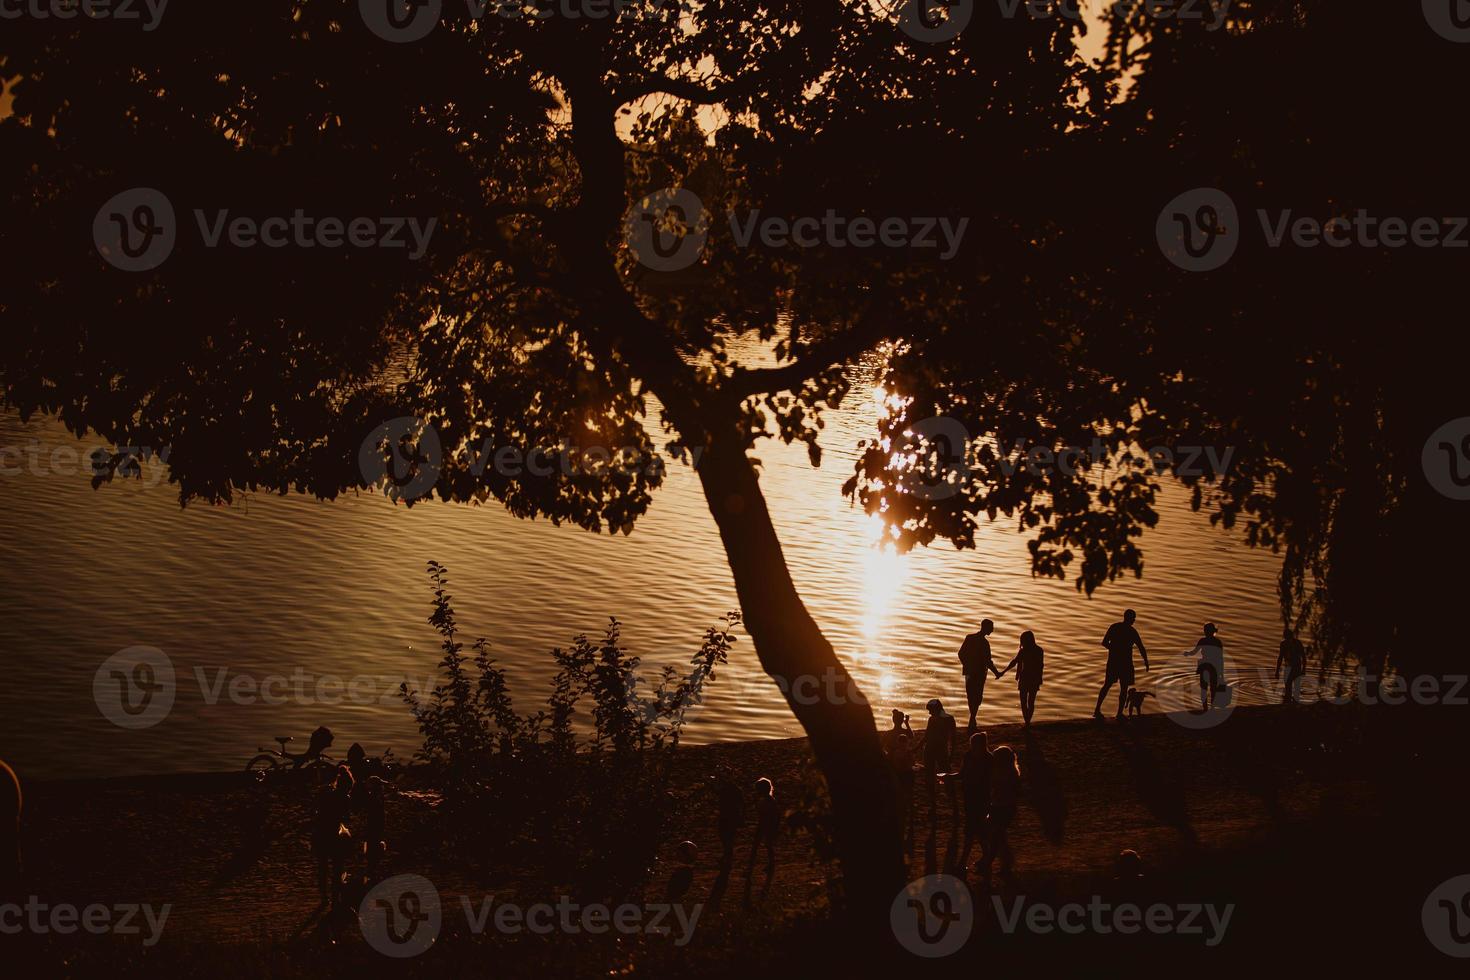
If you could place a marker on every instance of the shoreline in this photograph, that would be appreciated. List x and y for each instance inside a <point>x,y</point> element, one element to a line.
<point>1198,805</point>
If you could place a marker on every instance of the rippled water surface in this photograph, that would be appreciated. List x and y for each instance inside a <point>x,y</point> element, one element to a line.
<point>302,591</point>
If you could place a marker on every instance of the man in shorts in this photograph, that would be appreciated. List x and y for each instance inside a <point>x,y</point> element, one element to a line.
<point>1120,640</point>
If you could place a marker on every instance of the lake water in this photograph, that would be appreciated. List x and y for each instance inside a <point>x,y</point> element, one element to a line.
<point>292,593</point>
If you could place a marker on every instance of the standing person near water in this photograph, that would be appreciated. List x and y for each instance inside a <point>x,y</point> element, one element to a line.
<point>1028,663</point>
<point>1211,667</point>
<point>767,830</point>
<point>368,801</point>
<point>938,741</point>
<point>330,837</point>
<point>975,660</point>
<point>900,752</point>
<point>1294,655</point>
<point>1120,640</point>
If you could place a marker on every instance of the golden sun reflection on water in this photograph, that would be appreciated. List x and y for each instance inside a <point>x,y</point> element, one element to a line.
<point>347,598</point>
<point>883,583</point>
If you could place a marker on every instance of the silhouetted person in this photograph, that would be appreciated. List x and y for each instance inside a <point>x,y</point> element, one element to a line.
<point>938,737</point>
<point>899,747</point>
<point>1120,640</point>
<point>330,837</point>
<point>1211,669</point>
<point>321,740</point>
<point>1005,790</point>
<point>938,741</point>
<point>975,660</point>
<point>367,800</point>
<point>1128,875</point>
<point>683,875</point>
<point>729,816</point>
<point>1128,865</point>
<point>1294,655</point>
<point>357,760</point>
<point>974,776</point>
<point>767,829</point>
<point>1028,662</point>
<point>10,804</point>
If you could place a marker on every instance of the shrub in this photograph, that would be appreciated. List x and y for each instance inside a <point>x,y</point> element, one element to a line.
<point>584,803</point>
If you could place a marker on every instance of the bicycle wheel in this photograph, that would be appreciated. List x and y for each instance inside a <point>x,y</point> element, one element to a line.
<point>259,769</point>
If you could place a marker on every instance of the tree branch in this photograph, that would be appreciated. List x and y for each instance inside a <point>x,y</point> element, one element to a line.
<point>835,350</point>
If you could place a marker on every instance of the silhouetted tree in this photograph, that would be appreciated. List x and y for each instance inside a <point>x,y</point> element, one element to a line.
<point>530,322</point>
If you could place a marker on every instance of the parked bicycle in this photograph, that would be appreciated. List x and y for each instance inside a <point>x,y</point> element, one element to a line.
<point>314,766</point>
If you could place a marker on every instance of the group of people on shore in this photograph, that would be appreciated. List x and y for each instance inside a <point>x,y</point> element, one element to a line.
<point>348,817</point>
<point>989,779</point>
<point>976,660</point>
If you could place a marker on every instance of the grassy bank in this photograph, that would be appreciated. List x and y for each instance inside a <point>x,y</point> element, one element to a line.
<point>1324,827</point>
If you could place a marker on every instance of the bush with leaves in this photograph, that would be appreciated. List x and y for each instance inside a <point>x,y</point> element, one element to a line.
<point>584,803</point>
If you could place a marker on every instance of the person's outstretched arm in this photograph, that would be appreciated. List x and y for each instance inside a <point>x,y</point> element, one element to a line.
<point>1141,651</point>
<point>993,669</point>
<point>1013,662</point>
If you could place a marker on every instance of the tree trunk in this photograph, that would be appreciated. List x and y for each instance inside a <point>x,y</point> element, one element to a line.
<point>793,651</point>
